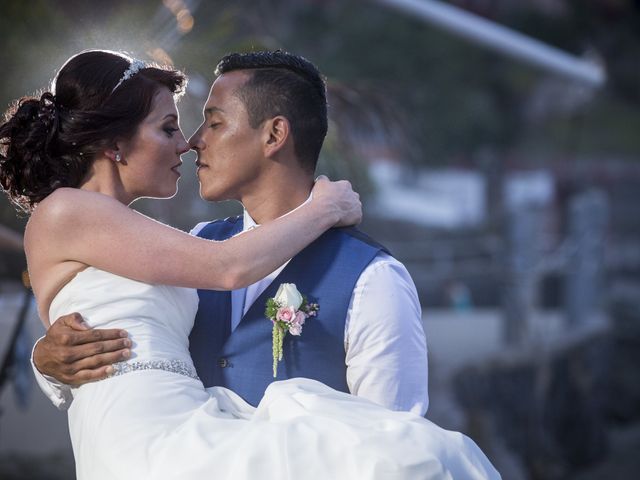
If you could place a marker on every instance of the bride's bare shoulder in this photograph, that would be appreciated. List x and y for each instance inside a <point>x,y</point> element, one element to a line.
<point>66,199</point>
<point>72,201</point>
<point>66,207</point>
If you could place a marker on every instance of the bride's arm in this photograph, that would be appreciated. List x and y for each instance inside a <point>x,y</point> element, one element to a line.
<point>96,230</point>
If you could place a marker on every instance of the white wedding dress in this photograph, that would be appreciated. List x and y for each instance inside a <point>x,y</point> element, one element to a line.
<point>155,420</point>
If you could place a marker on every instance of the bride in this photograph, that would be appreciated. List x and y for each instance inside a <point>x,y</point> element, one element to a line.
<point>75,158</point>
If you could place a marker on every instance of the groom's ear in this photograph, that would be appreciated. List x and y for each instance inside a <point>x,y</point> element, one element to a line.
<point>276,134</point>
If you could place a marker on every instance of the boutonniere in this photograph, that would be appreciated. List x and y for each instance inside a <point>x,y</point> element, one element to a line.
<point>287,311</point>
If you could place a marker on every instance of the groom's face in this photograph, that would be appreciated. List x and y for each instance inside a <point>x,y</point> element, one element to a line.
<point>230,159</point>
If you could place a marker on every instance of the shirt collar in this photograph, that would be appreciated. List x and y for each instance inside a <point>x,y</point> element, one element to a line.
<point>249,223</point>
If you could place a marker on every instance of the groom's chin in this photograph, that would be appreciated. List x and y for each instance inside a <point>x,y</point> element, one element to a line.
<point>216,191</point>
<point>210,196</point>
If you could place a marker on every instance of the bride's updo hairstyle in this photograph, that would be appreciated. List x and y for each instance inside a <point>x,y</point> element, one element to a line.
<point>50,141</point>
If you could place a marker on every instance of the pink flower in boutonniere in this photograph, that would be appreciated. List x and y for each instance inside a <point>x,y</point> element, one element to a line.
<point>295,330</point>
<point>286,314</point>
<point>288,311</point>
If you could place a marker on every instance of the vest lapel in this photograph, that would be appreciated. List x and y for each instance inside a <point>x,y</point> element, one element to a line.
<point>261,301</point>
<point>301,270</point>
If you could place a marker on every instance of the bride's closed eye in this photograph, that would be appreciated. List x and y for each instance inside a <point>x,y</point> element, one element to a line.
<point>170,131</point>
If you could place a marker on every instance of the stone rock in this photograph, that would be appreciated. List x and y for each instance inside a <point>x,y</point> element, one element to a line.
<point>624,399</point>
<point>547,408</point>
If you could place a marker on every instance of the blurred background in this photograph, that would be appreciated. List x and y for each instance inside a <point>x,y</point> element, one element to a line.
<point>496,144</point>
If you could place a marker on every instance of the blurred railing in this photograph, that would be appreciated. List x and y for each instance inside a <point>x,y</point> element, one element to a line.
<point>524,256</point>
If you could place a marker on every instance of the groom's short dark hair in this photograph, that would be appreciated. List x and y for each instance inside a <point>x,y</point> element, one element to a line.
<point>287,85</point>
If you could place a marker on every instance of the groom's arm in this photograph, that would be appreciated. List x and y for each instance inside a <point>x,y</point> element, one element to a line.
<point>386,350</point>
<point>71,354</point>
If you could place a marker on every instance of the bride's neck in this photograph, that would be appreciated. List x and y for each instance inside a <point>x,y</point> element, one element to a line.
<point>103,177</point>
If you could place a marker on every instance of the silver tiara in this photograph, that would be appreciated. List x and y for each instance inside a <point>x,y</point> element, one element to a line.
<point>135,67</point>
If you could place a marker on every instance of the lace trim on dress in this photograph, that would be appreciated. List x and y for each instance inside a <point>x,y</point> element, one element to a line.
<point>174,366</point>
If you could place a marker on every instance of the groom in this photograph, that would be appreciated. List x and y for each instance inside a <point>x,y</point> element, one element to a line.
<point>265,122</point>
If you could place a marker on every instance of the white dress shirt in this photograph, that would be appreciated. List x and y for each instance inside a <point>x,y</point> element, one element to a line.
<point>384,341</point>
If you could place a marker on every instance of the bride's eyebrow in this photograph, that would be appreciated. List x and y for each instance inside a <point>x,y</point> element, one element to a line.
<point>172,116</point>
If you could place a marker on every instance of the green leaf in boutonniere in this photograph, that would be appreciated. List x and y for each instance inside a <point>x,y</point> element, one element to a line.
<point>288,311</point>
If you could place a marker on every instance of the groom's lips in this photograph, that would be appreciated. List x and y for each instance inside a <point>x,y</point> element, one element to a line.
<point>201,165</point>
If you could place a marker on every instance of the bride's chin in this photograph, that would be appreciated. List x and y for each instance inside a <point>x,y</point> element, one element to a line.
<point>173,191</point>
<point>171,195</point>
<point>164,195</point>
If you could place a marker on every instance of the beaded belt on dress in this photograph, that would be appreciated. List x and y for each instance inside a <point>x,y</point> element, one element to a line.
<point>175,366</point>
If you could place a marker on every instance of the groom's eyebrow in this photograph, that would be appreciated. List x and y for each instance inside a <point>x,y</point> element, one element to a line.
<point>211,110</point>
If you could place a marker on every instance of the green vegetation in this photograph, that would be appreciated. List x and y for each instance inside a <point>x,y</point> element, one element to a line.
<point>398,86</point>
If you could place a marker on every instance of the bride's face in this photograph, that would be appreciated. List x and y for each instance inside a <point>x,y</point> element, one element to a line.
<point>151,159</point>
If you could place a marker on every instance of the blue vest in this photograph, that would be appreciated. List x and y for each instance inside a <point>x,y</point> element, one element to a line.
<point>326,272</point>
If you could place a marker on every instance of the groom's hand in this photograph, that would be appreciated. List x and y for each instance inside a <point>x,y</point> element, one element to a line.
<point>74,353</point>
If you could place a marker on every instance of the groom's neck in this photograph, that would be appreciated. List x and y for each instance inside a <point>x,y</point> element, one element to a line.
<point>277,196</point>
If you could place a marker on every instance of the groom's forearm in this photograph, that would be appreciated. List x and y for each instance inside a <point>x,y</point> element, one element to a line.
<point>58,393</point>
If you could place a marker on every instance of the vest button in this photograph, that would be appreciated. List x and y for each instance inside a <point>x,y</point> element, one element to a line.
<point>223,362</point>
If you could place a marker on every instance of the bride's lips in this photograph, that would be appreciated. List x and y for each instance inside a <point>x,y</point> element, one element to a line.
<point>175,168</point>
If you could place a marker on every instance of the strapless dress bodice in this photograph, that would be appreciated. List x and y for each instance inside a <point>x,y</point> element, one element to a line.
<point>158,318</point>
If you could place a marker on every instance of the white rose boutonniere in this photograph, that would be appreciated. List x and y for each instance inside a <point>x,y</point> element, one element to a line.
<point>289,295</point>
<point>288,311</point>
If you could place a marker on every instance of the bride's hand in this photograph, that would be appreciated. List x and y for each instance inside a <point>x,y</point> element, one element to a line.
<point>339,199</point>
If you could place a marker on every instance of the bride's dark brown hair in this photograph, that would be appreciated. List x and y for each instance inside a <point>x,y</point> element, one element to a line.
<point>50,141</point>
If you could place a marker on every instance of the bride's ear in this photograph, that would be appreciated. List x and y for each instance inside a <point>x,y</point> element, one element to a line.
<point>276,133</point>
<point>115,154</point>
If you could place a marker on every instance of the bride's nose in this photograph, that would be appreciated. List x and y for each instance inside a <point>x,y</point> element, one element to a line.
<point>183,146</point>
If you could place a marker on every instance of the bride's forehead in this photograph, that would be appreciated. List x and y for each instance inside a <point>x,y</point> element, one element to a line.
<point>163,105</point>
